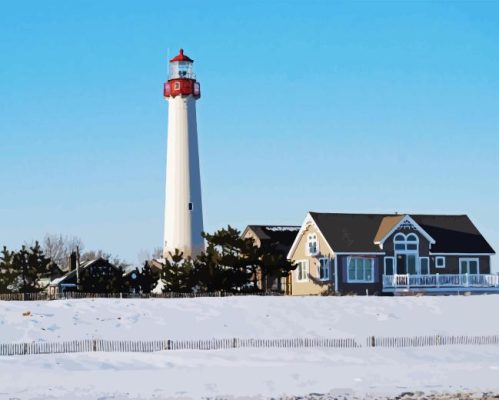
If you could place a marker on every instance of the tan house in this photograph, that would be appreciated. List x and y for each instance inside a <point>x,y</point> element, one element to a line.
<point>274,238</point>
<point>390,254</point>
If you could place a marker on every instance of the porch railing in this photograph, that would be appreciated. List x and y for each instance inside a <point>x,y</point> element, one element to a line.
<point>441,281</point>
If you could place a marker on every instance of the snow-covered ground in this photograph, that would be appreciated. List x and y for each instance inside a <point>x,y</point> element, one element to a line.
<point>246,372</point>
<point>255,373</point>
<point>248,317</point>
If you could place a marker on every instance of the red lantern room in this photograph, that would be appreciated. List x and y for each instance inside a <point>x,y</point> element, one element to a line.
<point>181,79</point>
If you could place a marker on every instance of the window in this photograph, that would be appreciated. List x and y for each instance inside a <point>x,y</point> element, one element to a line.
<point>176,86</point>
<point>440,262</point>
<point>424,265</point>
<point>399,241</point>
<point>323,269</point>
<point>404,243</point>
<point>412,242</point>
<point>469,266</point>
<point>302,271</point>
<point>389,264</point>
<point>312,245</point>
<point>360,270</point>
<point>190,206</point>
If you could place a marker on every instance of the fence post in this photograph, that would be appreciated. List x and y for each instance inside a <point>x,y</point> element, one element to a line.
<point>234,343</point>
<point>373,341</point>
<point>94,345</point>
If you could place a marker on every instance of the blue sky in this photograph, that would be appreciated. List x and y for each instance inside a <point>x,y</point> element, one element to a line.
<point>324,106</point>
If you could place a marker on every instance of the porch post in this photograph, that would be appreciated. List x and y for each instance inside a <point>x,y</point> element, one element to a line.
<point>438,279</point>
<point>407,283</point>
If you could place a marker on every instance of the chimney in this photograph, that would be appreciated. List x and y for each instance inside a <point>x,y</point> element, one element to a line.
<point>72,261</point>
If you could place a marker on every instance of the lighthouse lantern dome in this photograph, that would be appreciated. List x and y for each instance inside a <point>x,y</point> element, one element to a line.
<point>181,67</point>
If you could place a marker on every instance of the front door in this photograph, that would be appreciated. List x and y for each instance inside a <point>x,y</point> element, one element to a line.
<point>407,264</point>
<point>468,266</point>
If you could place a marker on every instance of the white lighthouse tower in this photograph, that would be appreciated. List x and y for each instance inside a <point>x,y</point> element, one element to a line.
<point>183,207</point>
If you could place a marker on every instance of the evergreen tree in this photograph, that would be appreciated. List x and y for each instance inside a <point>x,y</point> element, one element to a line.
<point>177,274</point>
<point>29,266</point>
<point>148,278</point>
<point>273,265</point>
<point>210,275</point>
<point>225,264</point>
<point>232,263</point>
<point>7,275</point>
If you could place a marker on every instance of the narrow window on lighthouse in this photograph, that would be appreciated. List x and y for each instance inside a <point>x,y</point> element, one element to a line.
<point>190,206</point>
<point>177,86</point>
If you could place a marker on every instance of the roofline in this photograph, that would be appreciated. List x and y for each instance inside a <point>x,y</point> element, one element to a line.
<point>273,226</point>
<point>367,253</point>
<point>248,227</point>
<point>392,214</point>
<point>308,219</point>
<point>418,227</point>
<point>461,254</point>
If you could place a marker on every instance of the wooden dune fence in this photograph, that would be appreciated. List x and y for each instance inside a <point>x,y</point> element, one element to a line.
<point>41,296</point>
<point>434,340</point>
<point>91,345</point>
<point>124,346</point>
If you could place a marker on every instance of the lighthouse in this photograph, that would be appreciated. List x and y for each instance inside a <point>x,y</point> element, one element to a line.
<point>183,206</point>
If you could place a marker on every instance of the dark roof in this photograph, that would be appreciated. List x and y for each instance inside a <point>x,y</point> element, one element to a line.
<point>282,236</point>
<point>357,232</point>
<point>453,234</point>
<point>72,274</point>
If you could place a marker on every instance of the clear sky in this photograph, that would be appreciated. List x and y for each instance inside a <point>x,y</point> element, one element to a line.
<point>324,106</point>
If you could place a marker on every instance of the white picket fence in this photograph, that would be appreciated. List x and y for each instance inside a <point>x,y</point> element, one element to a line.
<point>147,346</point>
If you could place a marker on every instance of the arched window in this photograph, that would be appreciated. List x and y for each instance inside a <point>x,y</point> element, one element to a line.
<point>412,242</point>
<point>399,241</point>
<point>409,242</point>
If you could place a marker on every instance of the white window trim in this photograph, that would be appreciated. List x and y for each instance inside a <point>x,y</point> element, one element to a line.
<point>393,264</point>
<point>468,259</point>
<point>328,269</point>
<point>316,244</point>
<point>436,262</point>
<point>360,281</point>
<point>427,259</point>
<point>306,263</point>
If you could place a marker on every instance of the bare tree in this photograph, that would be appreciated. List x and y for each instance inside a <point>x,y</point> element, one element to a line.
<point>58,248</point>
<point>157,253</point>
<point>146,255</point>
<point>95,254</point>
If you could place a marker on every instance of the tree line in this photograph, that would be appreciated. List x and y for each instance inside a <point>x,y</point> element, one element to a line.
<point>229,263</point>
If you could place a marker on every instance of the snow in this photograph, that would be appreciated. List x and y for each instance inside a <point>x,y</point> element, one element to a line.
<point>253,373</point>
<point>248,317</point>
<point>249,373</point>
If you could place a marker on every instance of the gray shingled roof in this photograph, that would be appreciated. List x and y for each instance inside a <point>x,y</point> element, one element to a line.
<point>356,232</point>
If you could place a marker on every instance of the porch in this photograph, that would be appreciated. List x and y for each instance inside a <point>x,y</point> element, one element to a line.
<point>451,283</point>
